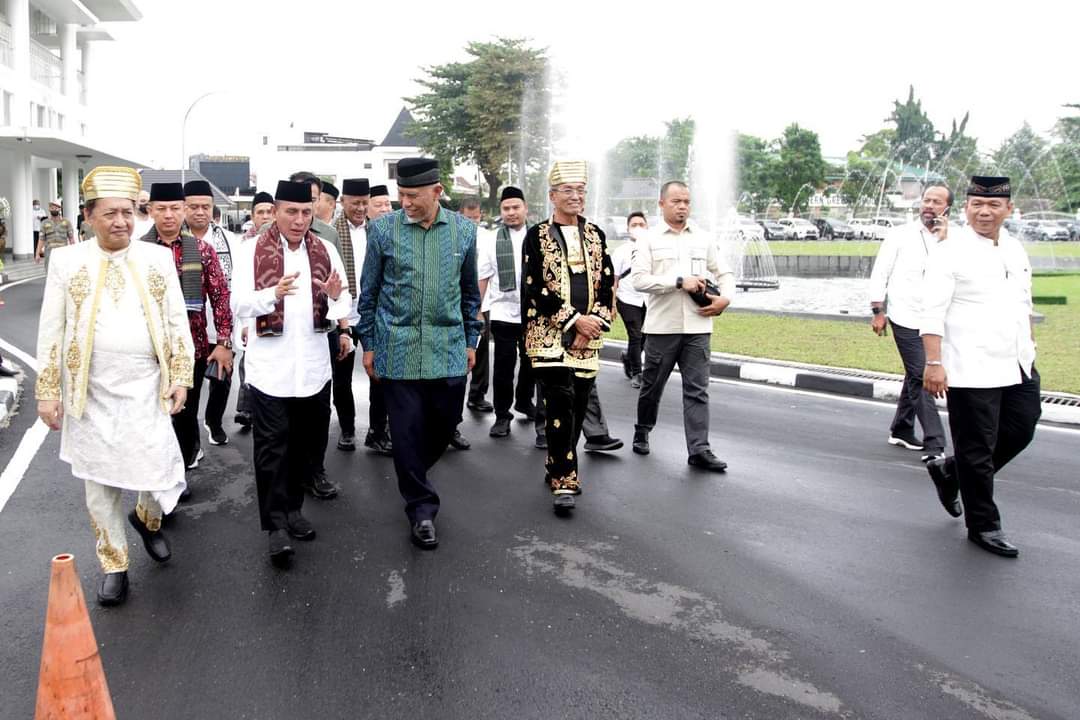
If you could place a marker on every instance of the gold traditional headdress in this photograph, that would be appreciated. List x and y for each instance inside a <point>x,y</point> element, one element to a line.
<point>568,171</point>
<point>110,181</point>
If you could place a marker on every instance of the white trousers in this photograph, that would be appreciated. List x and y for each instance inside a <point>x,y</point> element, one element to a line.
<point>108,520</point>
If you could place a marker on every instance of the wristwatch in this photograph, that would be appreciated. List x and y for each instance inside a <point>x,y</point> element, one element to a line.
<point>678,283</point>
<point>932,363</point>
<point>227,344</point>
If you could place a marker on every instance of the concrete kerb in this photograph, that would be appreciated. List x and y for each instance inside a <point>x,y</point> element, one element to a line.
<point>9,398</point>
<point>841,381</point>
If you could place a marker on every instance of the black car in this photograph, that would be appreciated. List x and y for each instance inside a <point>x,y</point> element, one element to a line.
<point>832,229</point>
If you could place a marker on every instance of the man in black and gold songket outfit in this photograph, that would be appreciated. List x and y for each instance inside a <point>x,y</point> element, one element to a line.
<point>566,303</point>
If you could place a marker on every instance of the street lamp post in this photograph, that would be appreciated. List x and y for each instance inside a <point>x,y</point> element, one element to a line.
<point>183,132</point>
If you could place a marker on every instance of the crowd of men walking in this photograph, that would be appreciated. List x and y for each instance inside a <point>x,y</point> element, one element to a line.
<point>133,322</point>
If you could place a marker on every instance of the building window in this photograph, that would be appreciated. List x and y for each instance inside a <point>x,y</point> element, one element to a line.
<point>41,116</point>
<point>60,122</point>
<point>264,139</point>
<point>391,170</point>
<point>5,109</point>
<point>367,166</point>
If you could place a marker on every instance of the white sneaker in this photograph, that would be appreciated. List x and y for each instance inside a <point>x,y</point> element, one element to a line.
<point>195,463</point>
<point>909,443</point>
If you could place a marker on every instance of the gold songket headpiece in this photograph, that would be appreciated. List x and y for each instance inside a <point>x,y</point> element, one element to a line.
<point>568,171</point>
<point>110,181</point>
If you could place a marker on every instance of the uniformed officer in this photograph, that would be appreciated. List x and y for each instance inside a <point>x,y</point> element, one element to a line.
<point>56,232</point>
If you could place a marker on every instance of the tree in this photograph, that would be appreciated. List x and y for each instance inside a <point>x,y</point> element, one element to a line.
<point>757,163</point>
<point>472,111</point>
<point>915,134</point>
<point>1023,156</point>
<point>631,157</point>
<point>956,156</point>
<point>675,149</point>
<point>1067,158</point>
<point>800,168</point>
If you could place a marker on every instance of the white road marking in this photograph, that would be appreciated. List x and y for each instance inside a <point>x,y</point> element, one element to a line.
<point>20,282</point>
<point>24,358</point>
<point>20,461</point>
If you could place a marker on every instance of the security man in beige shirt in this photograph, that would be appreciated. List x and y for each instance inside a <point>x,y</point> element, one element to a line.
<point>671,264</point>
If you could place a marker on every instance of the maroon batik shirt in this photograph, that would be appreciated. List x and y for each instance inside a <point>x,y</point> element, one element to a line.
<point>216,288</point>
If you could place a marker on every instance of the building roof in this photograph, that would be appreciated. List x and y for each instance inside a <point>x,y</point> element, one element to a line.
<point>396,137</point>
<point>149,177</point>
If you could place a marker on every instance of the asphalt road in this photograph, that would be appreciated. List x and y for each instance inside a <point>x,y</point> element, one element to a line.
<point>818,578</point>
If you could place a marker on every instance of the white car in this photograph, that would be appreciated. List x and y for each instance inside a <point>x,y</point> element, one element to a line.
<point>867,229</point>
<point>800,229</point>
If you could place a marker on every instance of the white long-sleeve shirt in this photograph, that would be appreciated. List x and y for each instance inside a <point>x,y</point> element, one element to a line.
<point>503,306</point>
<point>660,259</point>
<point>297,362</point>
<point>898,272</point>
<point>358,238</point>
<point>977,296</point>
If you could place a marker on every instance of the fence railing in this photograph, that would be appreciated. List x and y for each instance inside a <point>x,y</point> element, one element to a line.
<point>7,50</point>
<point>45,67</point>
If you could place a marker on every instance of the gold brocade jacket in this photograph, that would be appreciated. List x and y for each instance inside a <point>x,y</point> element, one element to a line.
<point>546,307</point>
<point>78,276</point>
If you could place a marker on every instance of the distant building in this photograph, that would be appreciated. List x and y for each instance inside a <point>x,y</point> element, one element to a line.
<point>334,157</point>
<point>230,173</point>
<point>150,176</point>
<point>46,51</point>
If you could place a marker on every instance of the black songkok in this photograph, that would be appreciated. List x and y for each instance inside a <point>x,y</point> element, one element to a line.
<point>297,192</point>
<point>983,186</point>
<point>512,193</point>
<point>417,172</point>
<point>197,187</point>
<point>263,197</point>
<point>330,189</point>
<point>379,191</point>
<point>356,187</point>
<point>166,192</point>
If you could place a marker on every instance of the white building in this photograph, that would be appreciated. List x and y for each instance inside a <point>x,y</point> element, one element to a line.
<point>333,157</point>
<point>45,74</point>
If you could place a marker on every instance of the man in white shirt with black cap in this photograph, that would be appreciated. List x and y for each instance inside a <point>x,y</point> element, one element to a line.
<point>980,354</point>
<point>897,278</point>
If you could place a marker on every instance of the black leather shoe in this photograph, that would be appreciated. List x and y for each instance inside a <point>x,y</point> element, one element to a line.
<point>379,442</point>
<point>243,419</point>
<point>423,535</point>
<point>481,405</point>
<point>185,494</point>
<point>707,461</point>
<point>541,442</point>
<point>347,442</point>
<point>602,443</point>
<point>217,435</point>
<point>321,488</point>
<point>563,504</point>
<point>994,541</point>
<point>501,428</point>
<point>299,526</point>
<point>7,372</point>
<point>943,473</point>
<point>458,441</point>
<point>114,589</point>
<point>281,548</point>
<point>156,544</point>
<point>641,443</point>
<point>528,410</point>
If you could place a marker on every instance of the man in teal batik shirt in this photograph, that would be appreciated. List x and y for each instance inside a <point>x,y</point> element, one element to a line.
<point>419,300</point>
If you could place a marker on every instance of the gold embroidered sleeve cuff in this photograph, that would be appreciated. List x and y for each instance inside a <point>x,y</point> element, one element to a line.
<point>47,386</point>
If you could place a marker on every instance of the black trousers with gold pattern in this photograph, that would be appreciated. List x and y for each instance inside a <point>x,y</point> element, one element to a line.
<point>566,400</point>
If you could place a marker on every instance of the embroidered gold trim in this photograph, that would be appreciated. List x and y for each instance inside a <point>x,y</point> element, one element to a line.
<point>114,282</point>
<point>112,559</point>
<point>47,386</point>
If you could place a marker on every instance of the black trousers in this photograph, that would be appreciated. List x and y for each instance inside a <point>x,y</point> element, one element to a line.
<point>478,385</point>
<point>423,416</point>
<point>915,402</point>
<point>378,417</point>
<point>217,398</point>
<point>285,434</point>
<point>342,379</point>
<point>990,426</point>
<point>242,403</point>
<point>633,317</point>
<point>593,426</point>
<point>566,399</point>
<point>510,351</point>
<point>186,422</point>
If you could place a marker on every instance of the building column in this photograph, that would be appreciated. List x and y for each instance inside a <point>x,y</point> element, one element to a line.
<point>69,84</point>
<point>71,192</point>
<point>18,14</point>
<point>21,222</point>
<point>86,69</point>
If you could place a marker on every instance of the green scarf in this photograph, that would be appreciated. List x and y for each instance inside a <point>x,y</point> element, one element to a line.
<point>504,257</point>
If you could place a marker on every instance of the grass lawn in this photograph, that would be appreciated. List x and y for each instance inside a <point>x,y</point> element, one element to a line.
<point>841,343</point>
<point>870,248</point>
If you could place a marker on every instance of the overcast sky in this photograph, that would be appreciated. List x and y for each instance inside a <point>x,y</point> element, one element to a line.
<point>343,67</point>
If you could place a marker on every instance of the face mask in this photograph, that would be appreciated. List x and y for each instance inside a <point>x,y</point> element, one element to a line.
<point>54,213</point>
<point>144,209</point>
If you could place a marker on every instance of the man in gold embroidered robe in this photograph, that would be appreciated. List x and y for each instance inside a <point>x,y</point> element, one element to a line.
<point>116,355</point>
<point>568,293</point>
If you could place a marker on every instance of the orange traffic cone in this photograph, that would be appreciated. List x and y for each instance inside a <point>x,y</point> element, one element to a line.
<point>72,680</point>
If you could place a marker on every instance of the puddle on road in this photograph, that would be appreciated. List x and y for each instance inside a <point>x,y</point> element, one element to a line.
<point>396,593</point>
<point>673,607</point>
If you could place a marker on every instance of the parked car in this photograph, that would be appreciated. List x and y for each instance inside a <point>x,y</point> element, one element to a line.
<point>885,224</point>
<point>1044,230</point>
<point>800,229</point>
<point>1074,229</point>
<point>864,229</point>
<point>774,230</point>
<point>748,229</point>
<point>833,229</point>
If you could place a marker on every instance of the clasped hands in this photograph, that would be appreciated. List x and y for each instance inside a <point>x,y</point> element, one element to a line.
<point>588,328</point>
